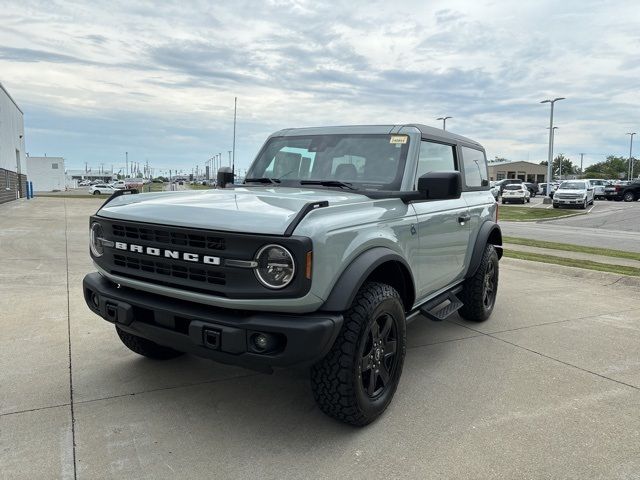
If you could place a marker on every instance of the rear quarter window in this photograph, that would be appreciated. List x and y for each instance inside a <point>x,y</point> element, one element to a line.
<point>474,165</point>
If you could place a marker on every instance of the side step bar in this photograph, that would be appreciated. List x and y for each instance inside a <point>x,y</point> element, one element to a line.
<point>434,309</point>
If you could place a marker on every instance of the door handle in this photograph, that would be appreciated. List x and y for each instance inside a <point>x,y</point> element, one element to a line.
<point>464,218</point>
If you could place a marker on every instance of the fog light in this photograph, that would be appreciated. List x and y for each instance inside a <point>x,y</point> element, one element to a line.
<point>261,341</point>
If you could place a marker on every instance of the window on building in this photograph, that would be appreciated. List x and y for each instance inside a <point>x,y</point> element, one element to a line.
<point>435,157</point>
<point>7,180</point>
<point>54,166</point>
<point>501,175</point>
<point>475,167</point>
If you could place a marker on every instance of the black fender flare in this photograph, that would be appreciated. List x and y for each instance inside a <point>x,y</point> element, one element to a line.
<point>489,229</point>
<point>354,276</point>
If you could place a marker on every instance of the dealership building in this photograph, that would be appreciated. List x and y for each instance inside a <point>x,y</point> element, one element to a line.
<point>13,165</point>
<point>525,171</point>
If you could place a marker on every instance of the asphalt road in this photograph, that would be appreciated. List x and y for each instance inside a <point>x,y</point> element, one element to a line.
<point>549,387</point>
<point>608,224</point>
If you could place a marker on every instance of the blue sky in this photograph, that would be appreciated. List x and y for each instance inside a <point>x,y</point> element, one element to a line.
<point>158,79</point>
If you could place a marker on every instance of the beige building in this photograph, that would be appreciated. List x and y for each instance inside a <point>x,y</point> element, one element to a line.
<point>525,171</point>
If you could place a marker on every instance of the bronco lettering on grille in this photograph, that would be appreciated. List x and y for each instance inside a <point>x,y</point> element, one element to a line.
<point>166,253</point>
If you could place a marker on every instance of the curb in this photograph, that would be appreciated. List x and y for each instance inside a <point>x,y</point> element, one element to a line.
<point>575,272</point>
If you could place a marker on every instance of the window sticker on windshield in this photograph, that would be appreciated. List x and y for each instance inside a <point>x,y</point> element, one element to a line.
<point>398,139</point>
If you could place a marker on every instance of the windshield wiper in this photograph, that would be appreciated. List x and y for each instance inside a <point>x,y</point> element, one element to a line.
<point>328,183</point>
<point>263,180</point>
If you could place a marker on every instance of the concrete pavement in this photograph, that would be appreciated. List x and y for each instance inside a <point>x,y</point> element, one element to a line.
<point>549,387</point>
<point>608,224</point>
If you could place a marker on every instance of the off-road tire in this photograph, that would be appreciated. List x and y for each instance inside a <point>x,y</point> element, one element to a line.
<point>146,348</point>
<point>475,306</point>
<point>337,380</point>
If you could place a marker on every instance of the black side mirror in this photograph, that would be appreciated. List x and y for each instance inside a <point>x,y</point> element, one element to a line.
<point>440,185</point>
<point>225,177</point>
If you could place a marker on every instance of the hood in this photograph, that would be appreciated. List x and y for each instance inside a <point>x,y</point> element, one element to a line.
<point>264,210</point>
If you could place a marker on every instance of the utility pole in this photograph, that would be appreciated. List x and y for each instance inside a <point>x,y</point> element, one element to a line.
<point>631,134</point>
<point>126,164</point>
<point>581,158</point>
<point>230,164</point>
<point>235,111</point>
<point>548,199</point>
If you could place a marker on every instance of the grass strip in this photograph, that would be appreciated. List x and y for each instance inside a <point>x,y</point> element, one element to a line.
<point>567,247</point>
<point>571,262</point>
<point>527,214</point>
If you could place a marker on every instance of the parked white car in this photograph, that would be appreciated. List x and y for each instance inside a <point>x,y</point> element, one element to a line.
<point>578,193</point>
<point>516,193</point>
<point>102,189</point>
<point>598,185</point>
<point>495,190</point>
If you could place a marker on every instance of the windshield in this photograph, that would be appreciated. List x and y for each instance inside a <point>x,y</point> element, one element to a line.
<point>359,161</point>
<point>513,186</point>
<point>572,186</point>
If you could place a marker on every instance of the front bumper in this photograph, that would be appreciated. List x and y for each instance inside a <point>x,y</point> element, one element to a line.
<point>302,339</point>
<point>568,201</point>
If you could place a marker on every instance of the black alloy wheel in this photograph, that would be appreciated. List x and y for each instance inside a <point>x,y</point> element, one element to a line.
<point>378,359</point>
<point>490,286</point>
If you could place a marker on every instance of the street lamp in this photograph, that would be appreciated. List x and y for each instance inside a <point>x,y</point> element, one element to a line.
<point>444,122</point>
<point>553,145</point>
<point>631,134</point>
<point>550,159</point>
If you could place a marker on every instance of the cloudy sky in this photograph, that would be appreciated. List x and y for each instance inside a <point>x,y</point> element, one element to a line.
<point>158,79</point>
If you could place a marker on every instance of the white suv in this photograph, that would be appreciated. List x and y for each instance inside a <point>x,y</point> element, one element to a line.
<point>516,192</point>
<point>574,192</point>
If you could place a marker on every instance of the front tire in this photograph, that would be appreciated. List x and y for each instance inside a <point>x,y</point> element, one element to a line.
<point>479,292</point>
<point>628,197</point>
<point>145,347</point>
<point>357,379</point>
<point>96,192</point>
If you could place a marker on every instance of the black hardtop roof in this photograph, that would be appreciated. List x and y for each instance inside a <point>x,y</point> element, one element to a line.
<point>435,133</point>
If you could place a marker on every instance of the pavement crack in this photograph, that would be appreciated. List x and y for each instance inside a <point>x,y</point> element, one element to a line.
<point>37,409</point>
<point>73,417</point>
<point>619,382</point>
<point>173,387</point>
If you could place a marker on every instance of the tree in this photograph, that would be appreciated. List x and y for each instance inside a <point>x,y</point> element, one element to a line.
<point>568,168</point>
<point>613,167</point>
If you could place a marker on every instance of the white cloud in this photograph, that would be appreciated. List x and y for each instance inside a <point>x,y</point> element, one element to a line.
<point>158,78</point>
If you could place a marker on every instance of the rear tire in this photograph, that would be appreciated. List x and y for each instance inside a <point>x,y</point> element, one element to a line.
<point>145,347</point>
<point>479,292</point>
<point>96,192</point>
<point>628,197</point>
<point>357,379</point>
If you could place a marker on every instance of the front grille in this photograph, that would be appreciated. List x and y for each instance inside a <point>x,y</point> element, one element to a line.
<point>193,240</point>
<point>197,274</point>
<point>221,279</point>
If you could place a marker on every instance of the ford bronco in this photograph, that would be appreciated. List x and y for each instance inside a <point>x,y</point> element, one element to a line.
<point>336,240</point>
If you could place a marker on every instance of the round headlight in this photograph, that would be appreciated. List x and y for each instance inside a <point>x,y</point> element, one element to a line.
<point>95,241</point>
<point>275,266</point>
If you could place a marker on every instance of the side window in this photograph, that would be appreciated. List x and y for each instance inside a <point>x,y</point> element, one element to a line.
<point>435,157</point>
<point>475,168</point>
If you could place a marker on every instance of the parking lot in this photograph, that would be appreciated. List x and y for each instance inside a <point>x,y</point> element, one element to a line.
<point>549,387</point>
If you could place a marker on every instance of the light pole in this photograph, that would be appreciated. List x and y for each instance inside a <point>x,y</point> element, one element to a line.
<point>444,122</point>
<point>631,134</point>
<point>553,146</point>
<point>547,198</point>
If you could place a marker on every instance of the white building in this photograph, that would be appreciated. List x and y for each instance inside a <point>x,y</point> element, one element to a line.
<point>46,173</point>
<point>13,167</point>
